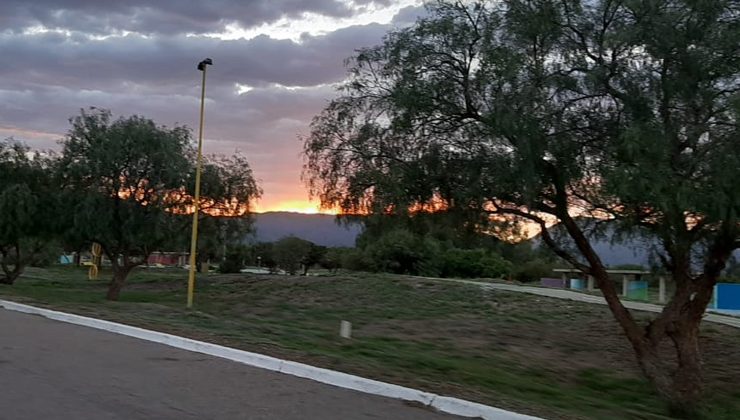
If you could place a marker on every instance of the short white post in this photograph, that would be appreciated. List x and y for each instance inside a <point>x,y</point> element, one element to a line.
<point>564,277</point>
<point>345,329</point>
<point>661,289</point>
<point>625,285</point>
<point>591,283</point>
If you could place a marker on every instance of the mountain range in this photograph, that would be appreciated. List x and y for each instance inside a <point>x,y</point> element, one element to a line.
<point>323,229</point>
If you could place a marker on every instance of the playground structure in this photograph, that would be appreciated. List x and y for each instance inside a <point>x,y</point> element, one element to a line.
<point>633,286</point>
<point>97,260</point>
<point>726,295</point>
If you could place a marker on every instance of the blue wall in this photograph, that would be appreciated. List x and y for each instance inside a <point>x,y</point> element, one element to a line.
<point>727,296</point>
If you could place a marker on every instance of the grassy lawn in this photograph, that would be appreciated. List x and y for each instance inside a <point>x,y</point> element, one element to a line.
<point>547,357</point>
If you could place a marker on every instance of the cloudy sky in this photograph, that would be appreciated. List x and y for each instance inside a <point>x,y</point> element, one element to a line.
<point>275,66</point>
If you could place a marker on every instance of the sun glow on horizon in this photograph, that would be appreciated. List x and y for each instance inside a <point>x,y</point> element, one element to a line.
<point>294,206</point>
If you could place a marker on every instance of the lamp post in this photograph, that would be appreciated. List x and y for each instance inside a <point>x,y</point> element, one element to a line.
<point>194,238</point>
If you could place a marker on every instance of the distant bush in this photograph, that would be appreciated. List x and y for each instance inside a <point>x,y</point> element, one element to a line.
<point>472,263</point>
<point>332,258</point>
<point>230,265</point>
<point>291,252</point>
<point>397,251</point>
<point>533,270</point>
<point>495,266</point>
<point>357,260</point>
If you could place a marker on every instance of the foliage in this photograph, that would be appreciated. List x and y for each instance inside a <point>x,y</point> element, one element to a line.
<point>536,110</point>
<point>29,217</point>
<point>232,263</point>
<point>120,177</point>
<point>291,252</point>
<point>450,228</point>
<point>332,258</point>
<point>129,184</point>
<point>314,256</point>
<point>397,251</point>
<point>533,270</point>
<point>264,255</point>
<point>474,263</point>
<point>356,259</point>
<point>228,189</point>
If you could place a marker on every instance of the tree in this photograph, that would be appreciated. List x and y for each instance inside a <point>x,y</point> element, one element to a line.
<point>264,255</point>
<point>228,189</point>
<point>290,252</point>
<point>120,177</point>
<point>234,259</point>
<point>28,205</point>
<point>314,256</point>
<point>473,263</point>
<point>332,258</point>
<point>130,185</point>
<point>397,251</point>
<point>544,112</point>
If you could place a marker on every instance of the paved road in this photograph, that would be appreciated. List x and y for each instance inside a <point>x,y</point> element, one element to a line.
<point>582,297</point>
<point>51,370</point>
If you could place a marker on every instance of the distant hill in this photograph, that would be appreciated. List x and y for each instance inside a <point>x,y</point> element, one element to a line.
<point>633,250</point>
<point>321,229</point>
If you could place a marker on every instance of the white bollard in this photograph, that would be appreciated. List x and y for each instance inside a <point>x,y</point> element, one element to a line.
<point>625,285</point>
<point>661,289</point>
<point>591,284</point>
<point>345,329</point>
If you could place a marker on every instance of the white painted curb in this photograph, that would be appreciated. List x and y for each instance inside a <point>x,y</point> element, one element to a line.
<point>342,380</point>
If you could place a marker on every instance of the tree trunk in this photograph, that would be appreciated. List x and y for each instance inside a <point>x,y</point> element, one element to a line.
<point>10,276</point>
<point>676,377</point>
<point>120,274</point>
<point>677,374</point>
<point>6,279</point>
<point>688,380</point>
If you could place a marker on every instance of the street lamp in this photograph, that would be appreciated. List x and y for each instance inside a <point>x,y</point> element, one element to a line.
<point>194,238</point>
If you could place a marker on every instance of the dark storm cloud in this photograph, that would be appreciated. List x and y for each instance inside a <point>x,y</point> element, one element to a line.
<point>164,16</point>
<point>168,63</point>
<point>47,77</point>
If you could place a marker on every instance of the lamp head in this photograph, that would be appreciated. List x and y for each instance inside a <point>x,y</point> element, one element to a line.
<point>202,65</point>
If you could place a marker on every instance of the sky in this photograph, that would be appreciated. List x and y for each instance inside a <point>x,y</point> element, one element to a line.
<point>277,63</point>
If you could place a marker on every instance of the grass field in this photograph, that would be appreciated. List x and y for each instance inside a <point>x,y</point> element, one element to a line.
<point>547,357</point>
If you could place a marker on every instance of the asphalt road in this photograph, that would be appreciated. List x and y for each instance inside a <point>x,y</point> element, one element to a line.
<point>52,370</point>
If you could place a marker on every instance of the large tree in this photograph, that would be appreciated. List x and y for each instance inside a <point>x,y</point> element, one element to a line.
<point>291,252</point>
<point>119,176</point>
<point>28,209</point>
<point>129,185</point>
<point>228,190</point>
<point>550,112</point>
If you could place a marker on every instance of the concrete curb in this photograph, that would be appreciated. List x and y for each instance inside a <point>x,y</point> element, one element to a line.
<point>342,380</point>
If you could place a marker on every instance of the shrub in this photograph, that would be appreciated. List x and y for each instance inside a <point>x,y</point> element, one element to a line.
<point>358,260</point>
<point>473,263</point>
<point>533,270</point>
<point>230,264</point>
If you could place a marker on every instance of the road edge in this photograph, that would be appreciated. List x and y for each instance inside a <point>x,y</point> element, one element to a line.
<point>442,403</point>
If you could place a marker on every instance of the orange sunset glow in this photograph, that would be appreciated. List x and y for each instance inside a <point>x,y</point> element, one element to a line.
<point>295,206</point>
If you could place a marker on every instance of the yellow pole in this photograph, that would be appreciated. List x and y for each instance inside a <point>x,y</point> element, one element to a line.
<point>194,237</point>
